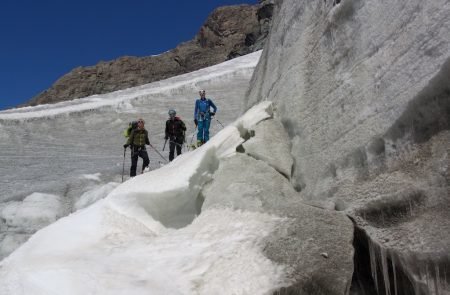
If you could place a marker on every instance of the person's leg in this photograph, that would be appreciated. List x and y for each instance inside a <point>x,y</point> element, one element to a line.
<point>143,154</point>
<point>206,125</point>
<point>134,160</point>
<point>200,131</point>
<point>179,145</point>
<point>171,149</point>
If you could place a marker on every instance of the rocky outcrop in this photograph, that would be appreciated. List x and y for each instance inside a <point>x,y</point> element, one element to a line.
<point>363,90</point>
<point>228,32</point>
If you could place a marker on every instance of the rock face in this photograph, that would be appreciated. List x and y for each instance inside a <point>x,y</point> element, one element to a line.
<point>363,90</point>
<point>228,32</point>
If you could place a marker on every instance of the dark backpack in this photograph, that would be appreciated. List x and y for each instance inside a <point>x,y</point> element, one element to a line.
<point>131,126</point>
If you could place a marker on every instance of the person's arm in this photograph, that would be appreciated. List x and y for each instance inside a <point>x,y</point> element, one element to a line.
<point>166,132</point>
<point>147,141</point>
<point>196,110</point>
<point>213,106</point>
<point>183,130</point>
<point>130,140</point>
<point>195,113</point>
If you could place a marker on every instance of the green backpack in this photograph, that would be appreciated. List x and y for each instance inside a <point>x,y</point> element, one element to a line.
<point>131,126</point>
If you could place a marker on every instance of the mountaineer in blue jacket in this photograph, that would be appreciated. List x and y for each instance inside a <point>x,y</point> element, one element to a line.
<point>202,117</point>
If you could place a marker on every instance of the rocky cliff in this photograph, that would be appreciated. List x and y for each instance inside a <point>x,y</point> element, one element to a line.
<point>228,32</point>
<point>363,90</point>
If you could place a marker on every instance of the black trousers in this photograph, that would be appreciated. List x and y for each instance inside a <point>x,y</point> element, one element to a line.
<point>175,143</point>
<point>135,153</point>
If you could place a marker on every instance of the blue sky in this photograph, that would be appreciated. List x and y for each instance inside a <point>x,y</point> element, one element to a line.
<point>42,40</point>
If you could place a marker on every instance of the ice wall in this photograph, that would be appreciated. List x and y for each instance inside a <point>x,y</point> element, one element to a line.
<point>363,90</point>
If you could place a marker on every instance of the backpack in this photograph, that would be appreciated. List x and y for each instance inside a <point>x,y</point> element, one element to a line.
<point>131,126</point>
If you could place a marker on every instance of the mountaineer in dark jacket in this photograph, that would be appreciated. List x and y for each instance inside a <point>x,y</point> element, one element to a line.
<point>137,141</point>
<point>175,132</point>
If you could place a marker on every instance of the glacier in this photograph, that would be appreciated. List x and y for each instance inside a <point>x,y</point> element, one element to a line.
<point>363,90</point>
<point>221,219</point>
<point>335,179</point>
<point>74,150</point>
<point>127,243</point>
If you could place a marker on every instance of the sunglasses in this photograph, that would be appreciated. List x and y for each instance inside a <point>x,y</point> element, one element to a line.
<point>141,122</point>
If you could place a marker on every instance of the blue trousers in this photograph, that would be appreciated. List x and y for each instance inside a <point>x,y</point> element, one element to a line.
<point>203,130</point>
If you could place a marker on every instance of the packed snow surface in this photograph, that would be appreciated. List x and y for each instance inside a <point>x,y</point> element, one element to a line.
<point>73,150</point>
<point>64,148</point>
<point>149,236</point>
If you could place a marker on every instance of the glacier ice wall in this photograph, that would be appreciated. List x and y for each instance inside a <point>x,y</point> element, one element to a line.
<point>363,90</point>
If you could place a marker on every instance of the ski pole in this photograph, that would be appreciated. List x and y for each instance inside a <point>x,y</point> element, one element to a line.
<point>219,123</point>
<point>192,139</point>
<point>164,145</point>
<point>193,134</point>
<point>123,166</point>
<point>158,153</point>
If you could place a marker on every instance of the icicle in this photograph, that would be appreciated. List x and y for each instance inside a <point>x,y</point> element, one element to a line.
<point>410,208</point>
<point>394,274</point>
<point>445,283</point>
<point>385,270</point>
<point>373,264</point>
<point>416,284</point>
<point>436,279</point>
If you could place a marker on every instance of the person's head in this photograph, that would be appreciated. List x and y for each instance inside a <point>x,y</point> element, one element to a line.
<point>202,93</point>
<point>141,123</point>
<point>172,114</point>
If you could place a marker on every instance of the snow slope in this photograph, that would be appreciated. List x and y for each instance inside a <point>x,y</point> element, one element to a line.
<point>127,243</point>
<point>73,150</point>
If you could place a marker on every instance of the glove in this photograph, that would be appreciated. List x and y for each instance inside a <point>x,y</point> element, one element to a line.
<point>213,114</point>
<point>125,146</point>
<point>195,122</point>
